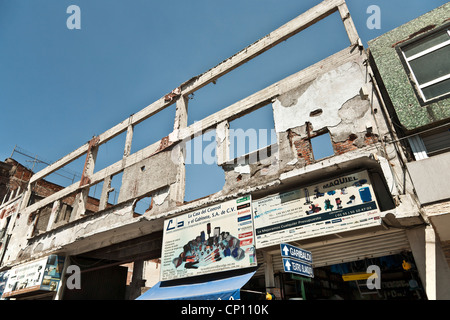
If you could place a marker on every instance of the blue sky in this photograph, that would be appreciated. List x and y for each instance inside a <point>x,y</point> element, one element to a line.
<point>60,87</point>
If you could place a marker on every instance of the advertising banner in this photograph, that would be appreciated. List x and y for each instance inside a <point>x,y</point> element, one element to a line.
<point>213,239</point>
<point>43,274</point>
<point>3,280</point>
<point>337,205</point>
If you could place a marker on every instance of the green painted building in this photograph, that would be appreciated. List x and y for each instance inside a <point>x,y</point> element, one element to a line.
<point>412,66</point>
<point>413,62</point>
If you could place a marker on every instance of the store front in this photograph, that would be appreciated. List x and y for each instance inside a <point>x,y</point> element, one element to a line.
<point>354,254</point>
<point>399,280</point>
<point>375,264</point>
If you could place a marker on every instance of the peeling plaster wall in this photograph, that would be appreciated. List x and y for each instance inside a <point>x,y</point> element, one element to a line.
<point>111,226</point>
<point>328,93</point>
<point>329,103</point>
<point>148,175</point>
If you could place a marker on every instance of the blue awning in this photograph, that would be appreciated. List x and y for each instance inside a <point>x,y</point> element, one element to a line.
<point>220,289</point>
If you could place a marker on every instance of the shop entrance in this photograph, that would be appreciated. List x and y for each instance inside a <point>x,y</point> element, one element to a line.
<point>399,280</point>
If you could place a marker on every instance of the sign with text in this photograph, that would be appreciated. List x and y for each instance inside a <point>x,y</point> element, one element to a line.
<point>212,239</point>
<point>288,251</point>
<point>297,267</point>
<point>43,274</point>
<point>336,205</point>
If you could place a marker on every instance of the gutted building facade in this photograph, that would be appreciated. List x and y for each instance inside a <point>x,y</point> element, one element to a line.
<point>337,101</point>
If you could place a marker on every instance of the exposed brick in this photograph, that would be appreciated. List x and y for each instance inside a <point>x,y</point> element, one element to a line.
<point>304,150</point>
<point>342,147</point>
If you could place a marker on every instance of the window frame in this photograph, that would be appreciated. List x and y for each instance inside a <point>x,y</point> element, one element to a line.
<point>407,66</point>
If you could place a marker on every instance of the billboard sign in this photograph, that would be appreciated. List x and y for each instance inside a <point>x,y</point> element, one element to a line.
<point>212,239</point>
<point>43,274</point>
<point>3,280</point>
<point>336,205</point>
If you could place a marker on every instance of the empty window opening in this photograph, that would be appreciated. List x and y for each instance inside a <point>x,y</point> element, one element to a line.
<point>42,217</point>
<point>302,50</point>
<point>153,129</point>
<point>93,200</point>
<point>110,152</point>
<point>202,149</point>
<point>68,174</point>
<point>437,142</point>
<point>64,210</point>
<point>113,192</point>
<point>143,205</point>
<point>203,176</point>
<point>322,146</point>
<point>252,132</point>
<point>4,227</point>
<point>95,191</point>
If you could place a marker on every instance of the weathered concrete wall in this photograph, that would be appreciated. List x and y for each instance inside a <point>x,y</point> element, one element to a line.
<point>328,93</point>
<point>92,232</point>
<point>430,181</point>
<point>330,102</point>
<point>148,176</point>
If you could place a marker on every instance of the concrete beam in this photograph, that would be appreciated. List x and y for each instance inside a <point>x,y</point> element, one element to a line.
<point>303,21</point>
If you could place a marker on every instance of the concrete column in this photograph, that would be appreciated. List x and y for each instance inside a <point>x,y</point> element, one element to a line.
<point>55,210</point>
<point>105,192</point>
<point>223,142</point>
<point>268,271</point>
<point>79,208</point>
<point>177,191</point>
<point>128,140</point>
<point>26,197</point>
<point>137,281</point>
<point>430,262</point>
